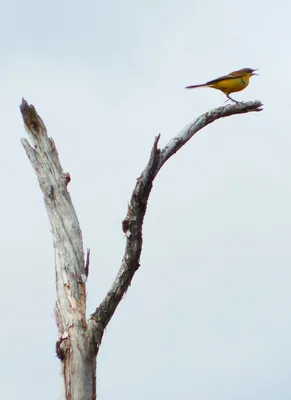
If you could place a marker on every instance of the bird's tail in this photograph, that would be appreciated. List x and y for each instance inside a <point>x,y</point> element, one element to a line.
<point>195,86</point>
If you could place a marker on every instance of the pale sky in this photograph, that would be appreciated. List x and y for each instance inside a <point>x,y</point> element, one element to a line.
<point>208,314</point>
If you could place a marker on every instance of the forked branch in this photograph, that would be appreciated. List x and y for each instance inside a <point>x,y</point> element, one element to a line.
<point>79,340</point>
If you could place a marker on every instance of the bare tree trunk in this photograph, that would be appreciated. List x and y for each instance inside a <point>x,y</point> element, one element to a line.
<point>79,339</point>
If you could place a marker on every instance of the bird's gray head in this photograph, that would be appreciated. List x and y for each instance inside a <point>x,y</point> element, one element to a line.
<point>250,71</point>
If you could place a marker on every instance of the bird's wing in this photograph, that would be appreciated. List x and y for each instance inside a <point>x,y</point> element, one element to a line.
<point>223,78</point>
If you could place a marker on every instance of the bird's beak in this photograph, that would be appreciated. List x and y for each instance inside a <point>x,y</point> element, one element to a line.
<point>255,70</point>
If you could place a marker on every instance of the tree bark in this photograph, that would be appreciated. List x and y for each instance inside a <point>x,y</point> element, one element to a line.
<point>75,347</point>
<point>79,339</point>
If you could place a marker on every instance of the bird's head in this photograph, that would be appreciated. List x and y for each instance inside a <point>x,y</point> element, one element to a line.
<point>244,73</point>
<point>249,71</point>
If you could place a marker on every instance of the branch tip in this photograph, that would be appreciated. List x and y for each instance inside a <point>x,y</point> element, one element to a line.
<point>157,138</point>
<point>32,121</point>
<point>155,148</point>
<point>155,152</point>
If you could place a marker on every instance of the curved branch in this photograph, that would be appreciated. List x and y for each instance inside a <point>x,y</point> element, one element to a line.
<point>132,224</point>
<point>201,122</point>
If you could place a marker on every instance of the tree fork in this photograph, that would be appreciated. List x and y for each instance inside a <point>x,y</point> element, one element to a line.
<point>79,338</point>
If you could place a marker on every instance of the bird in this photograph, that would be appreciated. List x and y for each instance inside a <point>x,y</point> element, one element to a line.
<point>233,82</point>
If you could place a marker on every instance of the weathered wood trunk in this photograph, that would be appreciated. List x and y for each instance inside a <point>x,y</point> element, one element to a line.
<point>75,346</point>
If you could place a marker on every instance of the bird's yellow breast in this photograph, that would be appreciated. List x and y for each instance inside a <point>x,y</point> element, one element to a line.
<point>232,85</point>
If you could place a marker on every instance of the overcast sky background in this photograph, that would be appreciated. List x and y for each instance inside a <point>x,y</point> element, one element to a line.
<point>208,314</point>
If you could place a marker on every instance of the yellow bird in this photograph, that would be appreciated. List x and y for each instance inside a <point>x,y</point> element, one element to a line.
<point>233,82</point>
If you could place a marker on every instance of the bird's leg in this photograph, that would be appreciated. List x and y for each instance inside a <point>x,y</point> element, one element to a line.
<point>230,98</point>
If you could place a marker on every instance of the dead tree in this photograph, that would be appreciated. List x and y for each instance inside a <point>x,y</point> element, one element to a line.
<point>80,338</point>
